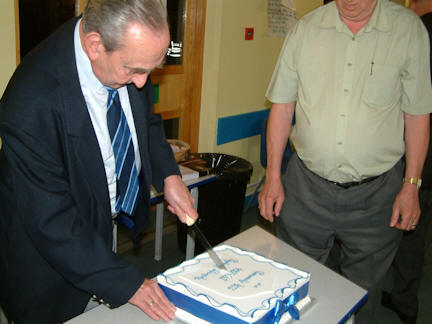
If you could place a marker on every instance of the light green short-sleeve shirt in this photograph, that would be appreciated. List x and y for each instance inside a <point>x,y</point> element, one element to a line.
<point>351,91</point>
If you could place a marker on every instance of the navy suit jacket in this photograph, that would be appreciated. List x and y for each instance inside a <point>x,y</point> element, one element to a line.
<point>55,214</point>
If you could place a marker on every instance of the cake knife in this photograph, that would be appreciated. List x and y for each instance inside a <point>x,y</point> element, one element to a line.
<point>209,249</point>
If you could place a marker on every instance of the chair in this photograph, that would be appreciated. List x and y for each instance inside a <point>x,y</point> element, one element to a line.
<point>263,159</point>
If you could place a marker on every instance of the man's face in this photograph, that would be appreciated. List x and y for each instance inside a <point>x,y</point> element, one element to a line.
<point>355,10</point>
<point>142,51</point>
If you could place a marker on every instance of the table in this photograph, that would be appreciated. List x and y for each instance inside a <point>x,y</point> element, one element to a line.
<point>337,298</point>
<point>157,198</point>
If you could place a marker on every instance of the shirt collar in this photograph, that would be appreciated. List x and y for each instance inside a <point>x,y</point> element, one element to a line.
<point>379,19</point>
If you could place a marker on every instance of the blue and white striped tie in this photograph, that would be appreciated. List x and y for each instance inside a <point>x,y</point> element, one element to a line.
<point>121,140</point>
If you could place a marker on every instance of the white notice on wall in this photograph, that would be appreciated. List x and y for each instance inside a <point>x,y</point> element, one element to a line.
<point>281,16</point>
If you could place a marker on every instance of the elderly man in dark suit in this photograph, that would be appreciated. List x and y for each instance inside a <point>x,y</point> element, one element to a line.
<point>65,172</point>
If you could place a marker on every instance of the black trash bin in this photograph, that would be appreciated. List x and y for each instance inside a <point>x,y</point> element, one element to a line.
<point>220,202</point>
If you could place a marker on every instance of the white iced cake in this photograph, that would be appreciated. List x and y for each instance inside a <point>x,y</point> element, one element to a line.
<point>253,289</point>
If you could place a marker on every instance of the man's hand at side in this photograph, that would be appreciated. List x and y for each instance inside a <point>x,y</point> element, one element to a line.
<point>271,198</point>
<point>406,208</point>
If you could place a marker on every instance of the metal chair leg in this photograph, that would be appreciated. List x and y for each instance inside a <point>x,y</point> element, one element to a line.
<point>255,193</point>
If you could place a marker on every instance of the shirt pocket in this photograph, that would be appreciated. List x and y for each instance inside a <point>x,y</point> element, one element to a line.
<point>382,87</point>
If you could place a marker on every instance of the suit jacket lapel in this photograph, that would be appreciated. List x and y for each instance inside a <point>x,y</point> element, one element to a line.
<point>87,150</point>
<point>139,112</point>
<point>81,132</point>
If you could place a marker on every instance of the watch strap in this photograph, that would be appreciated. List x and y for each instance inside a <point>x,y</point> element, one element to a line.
<point>414,181</point>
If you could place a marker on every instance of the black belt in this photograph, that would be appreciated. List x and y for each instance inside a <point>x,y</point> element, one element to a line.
<point>347,185</point>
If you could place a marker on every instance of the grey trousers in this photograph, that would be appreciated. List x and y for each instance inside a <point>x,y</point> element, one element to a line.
<point>316,212</point>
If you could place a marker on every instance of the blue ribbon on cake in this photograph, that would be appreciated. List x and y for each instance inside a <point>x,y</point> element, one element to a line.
<point>282,307</point>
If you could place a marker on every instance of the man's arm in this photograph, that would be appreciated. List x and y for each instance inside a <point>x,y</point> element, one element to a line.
<point>272,195</point>
<point>406,205</point>
<point>166,175</point>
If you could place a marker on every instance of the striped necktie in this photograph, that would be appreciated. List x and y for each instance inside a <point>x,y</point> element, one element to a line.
<point>125,165</point>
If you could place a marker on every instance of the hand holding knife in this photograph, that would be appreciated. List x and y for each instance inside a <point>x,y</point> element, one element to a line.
<point>201,237</point>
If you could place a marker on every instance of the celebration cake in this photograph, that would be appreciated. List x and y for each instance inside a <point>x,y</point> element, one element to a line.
<point>253,289</point>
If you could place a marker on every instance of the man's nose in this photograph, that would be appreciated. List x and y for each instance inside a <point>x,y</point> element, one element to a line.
<point>140,80</point>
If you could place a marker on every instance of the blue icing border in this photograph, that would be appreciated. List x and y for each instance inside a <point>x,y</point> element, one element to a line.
<point>265,304</point>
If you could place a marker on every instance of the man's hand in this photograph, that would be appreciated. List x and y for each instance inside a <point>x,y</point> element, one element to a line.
<point>271,198</point>
<point>152,301</point>
<point>272,195</point>
<point>179,198</point>
<point>406,208</point>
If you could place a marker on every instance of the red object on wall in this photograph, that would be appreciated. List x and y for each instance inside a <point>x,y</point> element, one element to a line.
<point>249,33</point>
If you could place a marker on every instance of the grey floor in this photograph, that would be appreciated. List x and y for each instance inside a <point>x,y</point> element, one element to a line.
<point>172,255</point>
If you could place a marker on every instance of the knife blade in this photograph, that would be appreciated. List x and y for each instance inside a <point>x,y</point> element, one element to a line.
<point>209,249</point>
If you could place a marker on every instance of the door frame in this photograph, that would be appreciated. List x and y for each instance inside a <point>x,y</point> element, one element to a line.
<point>190,105</point>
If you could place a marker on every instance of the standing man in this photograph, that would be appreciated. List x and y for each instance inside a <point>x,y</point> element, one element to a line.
<point>407,266</point>
<point>80,148</point>
<point>356,73</point>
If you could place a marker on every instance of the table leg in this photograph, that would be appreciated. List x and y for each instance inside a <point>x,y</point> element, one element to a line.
<point>114,246</point>
<point>159,231</point>
<point>190,243</point>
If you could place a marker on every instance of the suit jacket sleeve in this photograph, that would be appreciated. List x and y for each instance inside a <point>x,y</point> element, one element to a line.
<point>153,148</point>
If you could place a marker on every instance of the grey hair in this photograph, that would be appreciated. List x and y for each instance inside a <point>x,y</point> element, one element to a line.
<point>111,18</point>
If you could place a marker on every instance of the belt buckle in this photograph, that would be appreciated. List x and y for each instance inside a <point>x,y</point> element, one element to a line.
<point>346,185</point>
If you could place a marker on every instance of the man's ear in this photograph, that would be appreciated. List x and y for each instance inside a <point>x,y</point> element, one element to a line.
<point>93,46</point>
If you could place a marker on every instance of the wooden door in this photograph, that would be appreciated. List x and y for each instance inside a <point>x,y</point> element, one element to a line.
<point>178,83</point>
<point>37,19</point>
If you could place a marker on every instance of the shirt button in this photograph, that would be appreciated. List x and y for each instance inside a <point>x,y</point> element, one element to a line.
<point>349,64</point>
<point>346,90</point>
<point>340,143</point>
<point>339,166</point>
<point>342,115</point>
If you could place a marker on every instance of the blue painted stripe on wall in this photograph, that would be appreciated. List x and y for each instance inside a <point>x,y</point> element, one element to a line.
<point>236,127</point>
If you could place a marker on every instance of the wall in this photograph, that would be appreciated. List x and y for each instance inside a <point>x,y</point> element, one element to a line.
<point>236,72</point>
<point>8,47</point>
<point>7,38</point>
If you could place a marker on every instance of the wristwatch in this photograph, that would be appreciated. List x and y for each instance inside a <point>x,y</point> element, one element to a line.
<point>414,181</point>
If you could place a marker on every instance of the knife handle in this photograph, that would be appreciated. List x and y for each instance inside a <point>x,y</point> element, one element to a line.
<point>189,220</point>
